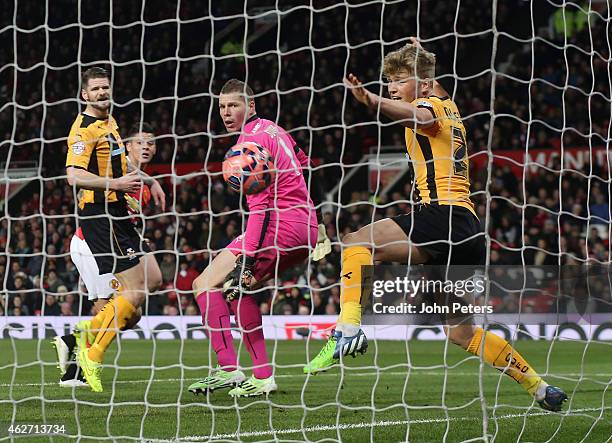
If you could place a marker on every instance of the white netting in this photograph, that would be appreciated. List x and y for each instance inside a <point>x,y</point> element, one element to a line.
<point>532,82</point>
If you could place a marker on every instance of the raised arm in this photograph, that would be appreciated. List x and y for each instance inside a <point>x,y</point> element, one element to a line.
<point>404,113</point>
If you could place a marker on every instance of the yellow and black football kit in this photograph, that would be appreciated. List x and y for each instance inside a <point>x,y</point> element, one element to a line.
<point>95,145</point>
<point>444,221</point>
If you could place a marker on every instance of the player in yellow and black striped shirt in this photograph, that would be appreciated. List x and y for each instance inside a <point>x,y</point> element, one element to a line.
<point>441,229</point>
<point>95,146</point>
<point>96,165</point>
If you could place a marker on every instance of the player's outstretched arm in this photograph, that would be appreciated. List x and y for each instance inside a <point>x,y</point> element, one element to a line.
<point>85,179</point>
<point>404,113</point>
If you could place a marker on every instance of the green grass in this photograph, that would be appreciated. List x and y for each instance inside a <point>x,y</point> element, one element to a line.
<point>426,403</point>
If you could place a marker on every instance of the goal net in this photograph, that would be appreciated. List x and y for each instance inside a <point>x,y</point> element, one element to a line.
<point>532,83</point>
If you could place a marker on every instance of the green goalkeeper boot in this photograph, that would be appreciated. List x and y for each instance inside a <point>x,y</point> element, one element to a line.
<point>254,387</point>
<point>219,379</point>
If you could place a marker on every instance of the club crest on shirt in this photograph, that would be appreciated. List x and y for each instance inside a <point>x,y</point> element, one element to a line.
<point>114,284</point>
<point>130,253</point>
<point>272,131</point>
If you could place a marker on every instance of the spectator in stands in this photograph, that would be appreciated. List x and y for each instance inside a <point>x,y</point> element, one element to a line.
<point>71,300</point>
<point>318,307</point>
<point>66,309</point>
<point>168,268</point>
<point>18,306</point>
<point>331,309</point>
<point>191,309</point>
<point>185,278</point>
<point>51,307</point>
<point>53,282</point>
<point>171,310</point>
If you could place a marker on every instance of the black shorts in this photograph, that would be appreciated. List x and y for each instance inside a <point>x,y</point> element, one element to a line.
<point>112,237</point>
<point>428,226</point>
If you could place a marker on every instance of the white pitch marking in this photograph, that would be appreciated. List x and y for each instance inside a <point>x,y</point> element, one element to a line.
<point>347,374</point>
<point>376,424</point>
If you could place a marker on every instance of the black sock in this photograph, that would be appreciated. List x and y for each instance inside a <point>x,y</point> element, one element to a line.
<point>70,341</point>
<point>71,372</point>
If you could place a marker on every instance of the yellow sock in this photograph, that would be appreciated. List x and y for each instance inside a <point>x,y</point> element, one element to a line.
<point>502,356</point>
<point>350,293</point>
<point>98,319</point>
<point>118,312</point>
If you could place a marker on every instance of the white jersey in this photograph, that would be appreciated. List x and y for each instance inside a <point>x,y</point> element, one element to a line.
<point>98,286</point>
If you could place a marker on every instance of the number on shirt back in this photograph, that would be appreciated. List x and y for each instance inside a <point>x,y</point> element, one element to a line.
<point>460,159</point>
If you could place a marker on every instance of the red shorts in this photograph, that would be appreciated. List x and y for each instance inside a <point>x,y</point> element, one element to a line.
<point>284,245</point>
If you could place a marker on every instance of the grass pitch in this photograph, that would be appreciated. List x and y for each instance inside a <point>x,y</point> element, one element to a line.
<point>416,391</point>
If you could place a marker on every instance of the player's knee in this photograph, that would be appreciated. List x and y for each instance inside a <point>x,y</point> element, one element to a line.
<point>99,305</point>
<point>154,280</point>
<point>200,284</point>
<point>352,238</point>
<point>460,335</point>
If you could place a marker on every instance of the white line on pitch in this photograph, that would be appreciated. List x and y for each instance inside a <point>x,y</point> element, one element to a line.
<point>347,375</point>
<point>376,424</point>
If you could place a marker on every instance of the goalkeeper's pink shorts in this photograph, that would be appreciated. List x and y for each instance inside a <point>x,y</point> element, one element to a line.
<point>284,244</point>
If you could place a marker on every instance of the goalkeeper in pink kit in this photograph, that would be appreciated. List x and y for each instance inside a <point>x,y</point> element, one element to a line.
<point>281,230</point>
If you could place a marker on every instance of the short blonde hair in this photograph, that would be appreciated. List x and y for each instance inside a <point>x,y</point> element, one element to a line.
<point>411,59</point>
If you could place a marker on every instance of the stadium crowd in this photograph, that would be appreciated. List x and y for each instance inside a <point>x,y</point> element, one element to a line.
<point>557,216</point>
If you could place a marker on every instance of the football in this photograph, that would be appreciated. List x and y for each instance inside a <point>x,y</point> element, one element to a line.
<point>248,168</point>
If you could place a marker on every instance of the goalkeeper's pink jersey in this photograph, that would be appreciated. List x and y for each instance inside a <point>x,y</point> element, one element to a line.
<point>287,198</point>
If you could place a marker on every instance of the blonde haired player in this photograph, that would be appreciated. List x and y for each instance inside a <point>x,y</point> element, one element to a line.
<point>436,145</point>
<point>141,148</point>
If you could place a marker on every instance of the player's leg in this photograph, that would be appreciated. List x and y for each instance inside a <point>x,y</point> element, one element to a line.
<point>99,290</point>
<point>81,338</point>
<point>385,240</point>
<point>494,350</point>
<point>114,243</point>
<point>249,319</point>
<point>501,355</point>
<point>124,307</point>
<point>284,246</point>
<point>216,318</point>
<point>65,345</point>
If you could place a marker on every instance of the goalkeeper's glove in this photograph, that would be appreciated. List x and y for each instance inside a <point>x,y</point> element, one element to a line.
<point>240,278</point>
<point>323,246</point>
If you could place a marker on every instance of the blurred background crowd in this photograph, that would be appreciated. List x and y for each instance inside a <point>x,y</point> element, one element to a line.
<point>514,92</point>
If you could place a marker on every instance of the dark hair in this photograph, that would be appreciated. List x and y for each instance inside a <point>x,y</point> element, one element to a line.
<point>95,72</point>
<point>235,86</point>
<point>139,127</point>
